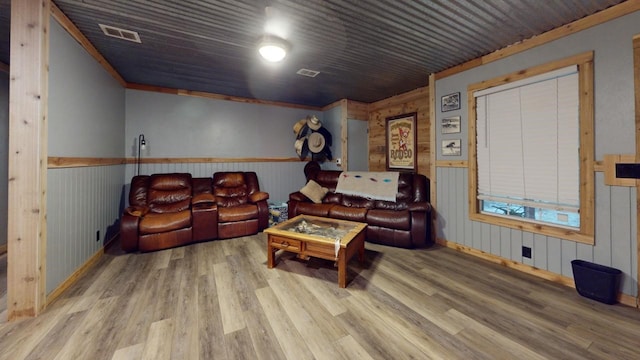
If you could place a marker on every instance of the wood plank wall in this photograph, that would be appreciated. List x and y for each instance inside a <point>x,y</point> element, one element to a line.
<point>413,101</point>
<point>636,75</point>
<point>26,230</point>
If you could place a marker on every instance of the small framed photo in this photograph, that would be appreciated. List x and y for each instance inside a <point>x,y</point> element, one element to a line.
<point>451,147</point>
<point>451,125</point>
<point>451,102</point>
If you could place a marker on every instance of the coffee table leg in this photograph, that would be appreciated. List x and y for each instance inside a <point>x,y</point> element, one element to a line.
<point>342,268</point>
<point>270,255</point>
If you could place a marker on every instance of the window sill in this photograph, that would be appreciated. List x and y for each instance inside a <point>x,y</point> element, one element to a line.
<point>547,230</point>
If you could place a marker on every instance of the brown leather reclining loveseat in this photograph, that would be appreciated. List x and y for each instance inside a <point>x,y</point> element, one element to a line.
<point>168,210</point>
<point>404,223</point>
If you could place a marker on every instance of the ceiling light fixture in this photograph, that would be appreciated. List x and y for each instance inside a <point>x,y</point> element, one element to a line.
<point>273,48</point>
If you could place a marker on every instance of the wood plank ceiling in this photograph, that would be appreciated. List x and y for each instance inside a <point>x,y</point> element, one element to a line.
<point>365,50</point>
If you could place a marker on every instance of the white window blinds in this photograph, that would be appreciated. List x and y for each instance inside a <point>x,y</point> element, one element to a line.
<point>528,141</point>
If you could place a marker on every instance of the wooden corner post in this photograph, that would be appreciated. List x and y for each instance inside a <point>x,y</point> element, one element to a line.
<point>27,224</point>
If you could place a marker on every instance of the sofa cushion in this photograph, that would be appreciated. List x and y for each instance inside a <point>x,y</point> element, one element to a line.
<point>169,192</point>
<point>390,237</point>
<point>232,196</point>
<point>154,223</point>
<point>328,179</point>
<point>314,191</point>
<point>170,182</point>
<point>237,213</point>
<point>348,213</point>
<point>138,191</point>
<point>389,205</point>
<point>392,219</point>
<point>332,198</point>
<point>314,209</point>
<point>357,201</point>
<point>167,202</point>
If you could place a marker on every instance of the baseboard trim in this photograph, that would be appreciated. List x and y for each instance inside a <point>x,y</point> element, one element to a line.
<point>80,271</point>
<point>74,277</point>
<point>109,244</point>
<point>624,299</point>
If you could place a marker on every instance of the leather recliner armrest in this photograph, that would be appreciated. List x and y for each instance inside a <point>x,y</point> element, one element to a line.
<point>129,227</point>
<point>419,206</point>
<point>203,199</point>
<point>258,196</point>
<point>137,211</point>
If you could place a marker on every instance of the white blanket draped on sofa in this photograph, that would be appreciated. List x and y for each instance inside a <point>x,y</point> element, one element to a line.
<point>368,184</point>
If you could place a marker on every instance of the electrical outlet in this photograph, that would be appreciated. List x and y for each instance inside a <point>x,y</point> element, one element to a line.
<point>526,252</point>
<point>339,161</point>
<point>98,235</point>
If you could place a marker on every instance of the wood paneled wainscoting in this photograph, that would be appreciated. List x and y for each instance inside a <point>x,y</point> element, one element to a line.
<point>87,195</point>
<point>551,257</point>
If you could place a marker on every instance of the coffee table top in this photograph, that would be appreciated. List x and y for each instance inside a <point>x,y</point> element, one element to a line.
<point>318,229</point>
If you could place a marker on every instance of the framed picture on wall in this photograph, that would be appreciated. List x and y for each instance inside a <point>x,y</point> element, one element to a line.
<point>450,102</point>
<point>401,137</point>
<point>451,125</point>
<point>451,147</point>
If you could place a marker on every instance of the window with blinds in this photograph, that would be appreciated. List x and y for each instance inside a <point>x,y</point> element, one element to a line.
<point>531,149</point>
<point>527,148</point>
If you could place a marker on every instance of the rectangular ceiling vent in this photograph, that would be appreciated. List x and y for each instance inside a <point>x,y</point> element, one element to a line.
<point>120,33</point>
<point>307,72</point>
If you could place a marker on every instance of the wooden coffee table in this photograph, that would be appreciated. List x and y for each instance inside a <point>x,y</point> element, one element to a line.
<point>319,237</point>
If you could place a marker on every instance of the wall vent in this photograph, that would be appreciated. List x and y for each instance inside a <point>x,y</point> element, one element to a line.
<point>307,72</point>
<point>120,33</point>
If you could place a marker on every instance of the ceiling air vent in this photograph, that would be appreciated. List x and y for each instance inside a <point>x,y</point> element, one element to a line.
<point>307,72</point>
<point>120,33</point>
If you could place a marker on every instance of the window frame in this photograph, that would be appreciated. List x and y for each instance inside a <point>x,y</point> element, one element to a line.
<point>586,232</point>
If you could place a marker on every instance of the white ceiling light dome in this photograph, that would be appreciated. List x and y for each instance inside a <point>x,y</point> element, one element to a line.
<point>273,48</point>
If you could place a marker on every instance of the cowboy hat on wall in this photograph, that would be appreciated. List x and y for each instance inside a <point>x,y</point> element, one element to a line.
<point>312,137</point>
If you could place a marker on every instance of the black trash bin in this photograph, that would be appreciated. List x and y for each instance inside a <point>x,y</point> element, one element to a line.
<point>597,282</point>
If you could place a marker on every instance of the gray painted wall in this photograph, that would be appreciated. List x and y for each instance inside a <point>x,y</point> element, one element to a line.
<point>86,119</point>
<point>186,126</point>
<point>332,121</point>
<point>86,105</point>
<point>358,147</point>
<point>4,154</point>
<point>615,243</point>
<point>192,127</point>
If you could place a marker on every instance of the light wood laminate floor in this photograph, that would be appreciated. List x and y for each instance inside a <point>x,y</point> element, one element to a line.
<point>218,300</point>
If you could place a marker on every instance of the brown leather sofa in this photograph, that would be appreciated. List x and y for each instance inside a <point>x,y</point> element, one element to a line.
<point>169,210</point>
<point>404,223</point>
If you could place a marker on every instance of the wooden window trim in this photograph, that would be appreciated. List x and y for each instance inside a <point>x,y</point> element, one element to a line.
<point>586,232</point>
